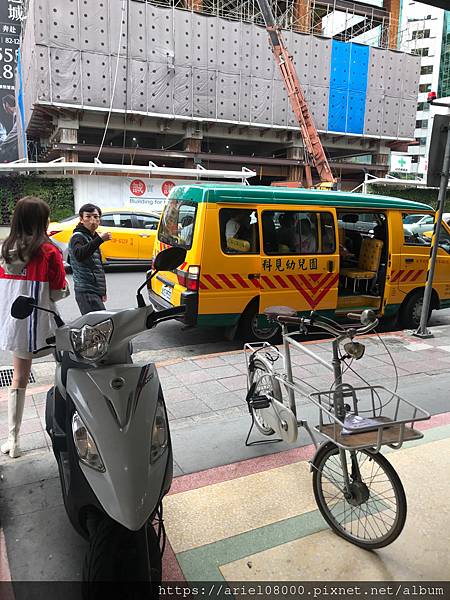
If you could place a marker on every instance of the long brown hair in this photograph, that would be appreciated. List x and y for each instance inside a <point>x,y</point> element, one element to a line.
<point>28,228</point>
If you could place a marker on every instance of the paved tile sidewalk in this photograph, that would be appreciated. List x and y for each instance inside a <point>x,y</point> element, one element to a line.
<point>209,422</point>
<point>208,388</point>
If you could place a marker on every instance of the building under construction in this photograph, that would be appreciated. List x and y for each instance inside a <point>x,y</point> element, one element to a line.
<point>185,82</point>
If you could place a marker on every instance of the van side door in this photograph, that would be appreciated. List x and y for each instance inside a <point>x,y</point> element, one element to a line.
<point>299,264</point>
<point>229,264</point>
<point>412,266</point>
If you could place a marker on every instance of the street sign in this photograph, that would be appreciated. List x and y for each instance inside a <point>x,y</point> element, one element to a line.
<point>441,123</point>
<point>11,16</point>
<point>422,168</point>
<point>400,163</point>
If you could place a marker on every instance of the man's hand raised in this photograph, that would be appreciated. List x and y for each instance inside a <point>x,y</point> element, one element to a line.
<point>106,236</point>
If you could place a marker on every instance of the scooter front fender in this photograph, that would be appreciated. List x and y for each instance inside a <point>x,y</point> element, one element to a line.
<point>117,404</point>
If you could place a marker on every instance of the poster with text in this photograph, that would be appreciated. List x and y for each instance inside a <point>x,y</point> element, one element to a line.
<point>11,16</point>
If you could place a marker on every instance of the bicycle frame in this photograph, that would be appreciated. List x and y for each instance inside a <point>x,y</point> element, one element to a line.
<point>272,388</point>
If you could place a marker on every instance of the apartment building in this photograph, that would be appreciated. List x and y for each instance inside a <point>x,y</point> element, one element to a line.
<point>426,33</point>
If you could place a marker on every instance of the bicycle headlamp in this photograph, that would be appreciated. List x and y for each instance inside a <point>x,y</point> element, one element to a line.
<point>355,349</point>
<point>91,341</point>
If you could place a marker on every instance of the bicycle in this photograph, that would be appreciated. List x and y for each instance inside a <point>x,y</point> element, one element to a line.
<point>357,490</point>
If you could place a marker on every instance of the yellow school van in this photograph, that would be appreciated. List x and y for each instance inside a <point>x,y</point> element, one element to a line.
<point>250,247</point>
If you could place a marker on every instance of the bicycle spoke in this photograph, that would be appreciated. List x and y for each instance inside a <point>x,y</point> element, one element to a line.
<point>371,513</point>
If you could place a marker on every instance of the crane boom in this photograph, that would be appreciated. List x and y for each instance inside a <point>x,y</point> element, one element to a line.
<point>315,154</point>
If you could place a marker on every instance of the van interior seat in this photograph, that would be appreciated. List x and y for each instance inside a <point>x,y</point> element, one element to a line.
<point>368,262</point>
<point>237,245</point>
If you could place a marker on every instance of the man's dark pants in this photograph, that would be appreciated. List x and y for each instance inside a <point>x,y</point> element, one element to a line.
<point>88,302</point>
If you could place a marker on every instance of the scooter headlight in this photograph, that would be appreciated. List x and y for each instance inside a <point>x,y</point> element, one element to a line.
<point>160,433</point>
<point>91,341</point>
<point>85,445</point>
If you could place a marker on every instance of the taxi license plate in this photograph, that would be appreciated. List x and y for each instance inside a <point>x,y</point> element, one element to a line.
<point>166,292</point>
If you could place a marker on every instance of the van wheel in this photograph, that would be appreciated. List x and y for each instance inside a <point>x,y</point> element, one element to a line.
<point>251,331</point>
<point>411,310</point>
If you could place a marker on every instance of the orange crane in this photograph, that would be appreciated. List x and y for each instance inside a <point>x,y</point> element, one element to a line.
<point>314,152</point>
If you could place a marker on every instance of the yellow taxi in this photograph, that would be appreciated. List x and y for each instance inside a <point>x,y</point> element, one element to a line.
<point>133,235</point>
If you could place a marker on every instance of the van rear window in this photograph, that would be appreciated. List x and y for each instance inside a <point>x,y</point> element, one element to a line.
<point>177,223</point>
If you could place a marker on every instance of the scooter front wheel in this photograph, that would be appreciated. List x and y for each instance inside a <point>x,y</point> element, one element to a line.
<point>122,562</point>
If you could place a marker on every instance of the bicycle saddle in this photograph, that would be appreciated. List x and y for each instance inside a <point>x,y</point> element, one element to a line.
<point>282,314</point>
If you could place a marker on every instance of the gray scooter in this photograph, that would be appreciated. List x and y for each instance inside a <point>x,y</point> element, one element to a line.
<point>108,424</point>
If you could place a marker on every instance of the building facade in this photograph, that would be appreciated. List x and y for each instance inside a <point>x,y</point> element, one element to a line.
<point>426,33</point>
<point>184,82</point>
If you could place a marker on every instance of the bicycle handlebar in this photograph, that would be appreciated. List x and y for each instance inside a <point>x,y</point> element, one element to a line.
<point>367,319</point>
<point>337,330</point>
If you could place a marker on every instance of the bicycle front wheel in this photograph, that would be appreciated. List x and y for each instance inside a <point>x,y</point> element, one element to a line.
<point>370,513</point>
<point>266,384</point>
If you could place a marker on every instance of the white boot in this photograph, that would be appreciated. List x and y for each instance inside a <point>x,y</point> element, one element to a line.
<point>16,402</point>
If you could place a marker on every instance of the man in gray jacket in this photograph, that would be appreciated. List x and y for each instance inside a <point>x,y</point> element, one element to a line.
<point>86,261</point>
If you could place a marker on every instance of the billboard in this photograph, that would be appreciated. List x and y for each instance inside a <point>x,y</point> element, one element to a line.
<point>133,193</point>
<point>11,16</point>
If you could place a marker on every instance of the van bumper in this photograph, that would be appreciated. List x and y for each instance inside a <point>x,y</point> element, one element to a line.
<point>188,299</point>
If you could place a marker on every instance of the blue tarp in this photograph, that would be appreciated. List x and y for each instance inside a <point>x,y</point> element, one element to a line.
<point>348,86</point>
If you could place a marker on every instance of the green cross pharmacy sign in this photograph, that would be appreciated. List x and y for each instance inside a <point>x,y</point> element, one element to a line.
<point>400,163</point>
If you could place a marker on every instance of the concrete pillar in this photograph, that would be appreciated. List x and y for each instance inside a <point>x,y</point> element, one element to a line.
<point>296,172</point>
<point>381,159</point>
<point>390,30</point>
<point>66,132</point>
<point>195,5</point>
<point>305,19</point>
<point>302,15</point>
<point>192,142</point>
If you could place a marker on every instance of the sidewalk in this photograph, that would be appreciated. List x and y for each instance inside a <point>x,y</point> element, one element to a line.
<point>232,506</point>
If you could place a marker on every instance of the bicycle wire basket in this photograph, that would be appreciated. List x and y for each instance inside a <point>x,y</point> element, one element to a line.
<point>377,417</point>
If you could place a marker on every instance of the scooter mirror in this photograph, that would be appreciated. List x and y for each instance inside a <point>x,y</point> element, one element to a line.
<point>22,307</point>
<point>169,259</point>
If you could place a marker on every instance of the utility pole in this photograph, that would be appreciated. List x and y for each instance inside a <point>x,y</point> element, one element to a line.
<point>422,331</point>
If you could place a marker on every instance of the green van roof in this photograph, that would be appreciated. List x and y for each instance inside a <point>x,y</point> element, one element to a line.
<point>213,192</point>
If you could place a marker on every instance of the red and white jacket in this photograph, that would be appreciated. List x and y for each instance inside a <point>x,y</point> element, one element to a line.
<point>38,278</point>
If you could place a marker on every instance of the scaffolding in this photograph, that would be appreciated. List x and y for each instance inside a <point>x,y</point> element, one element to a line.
<point>339,19</point>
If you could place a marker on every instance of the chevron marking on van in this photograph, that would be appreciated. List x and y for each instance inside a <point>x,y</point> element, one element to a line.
<point>313,288</point>
<point>402,276</point>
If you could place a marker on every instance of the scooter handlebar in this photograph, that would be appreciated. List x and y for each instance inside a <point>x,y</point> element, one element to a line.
<point>164,315</point>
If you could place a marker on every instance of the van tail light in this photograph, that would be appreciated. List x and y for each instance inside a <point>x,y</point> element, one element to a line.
<point>189,279</point>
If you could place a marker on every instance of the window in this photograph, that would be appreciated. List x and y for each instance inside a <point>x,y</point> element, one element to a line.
<point>425,87</point>
<point>297,232</point>
<point>420,51</point>
<point>417,226</point>
<point>146,222</point>
<point>426,70</point>
<point>421,34</point>
<point>423,106</point>
<point>116,220</point>
<point>239,231</point>
<point>422,124</point>
<point>177,223</point>
<point>422,141</point>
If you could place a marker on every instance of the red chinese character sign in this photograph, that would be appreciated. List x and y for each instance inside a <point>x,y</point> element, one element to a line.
<point>166,187</point>
<point>11,16</point>
<point>138,187</point>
